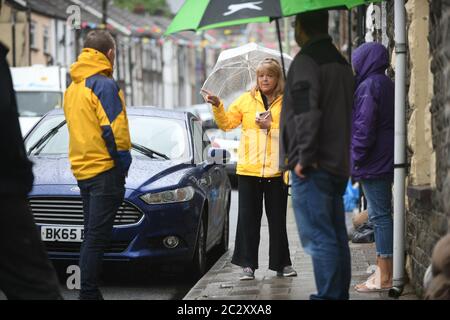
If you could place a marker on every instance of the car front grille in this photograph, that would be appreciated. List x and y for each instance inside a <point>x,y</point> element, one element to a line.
<point>71,247</point>
<point>69,211</point>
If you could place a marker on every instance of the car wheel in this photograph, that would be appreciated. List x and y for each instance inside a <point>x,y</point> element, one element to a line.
<point>199,260</point>
<point>223,244</point>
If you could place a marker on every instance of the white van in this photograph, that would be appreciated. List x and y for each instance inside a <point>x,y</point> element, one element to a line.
<point>39,89</point>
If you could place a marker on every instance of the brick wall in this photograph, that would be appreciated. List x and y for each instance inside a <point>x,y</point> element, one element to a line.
<point>428,213</point>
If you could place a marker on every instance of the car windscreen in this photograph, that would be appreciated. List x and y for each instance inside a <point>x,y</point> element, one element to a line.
<point>163,135</point>
<point>36,104</point>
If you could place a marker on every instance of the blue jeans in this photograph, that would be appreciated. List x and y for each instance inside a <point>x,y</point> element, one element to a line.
<point>102,196</point>
<point>319,211</point>
<point>378,193</point>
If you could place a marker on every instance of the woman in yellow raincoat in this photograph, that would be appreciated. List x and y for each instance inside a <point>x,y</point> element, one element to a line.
<point>259,176</point>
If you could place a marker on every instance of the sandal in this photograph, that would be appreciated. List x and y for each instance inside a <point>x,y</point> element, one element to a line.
<point>371,278</point>
<point>370,286</point>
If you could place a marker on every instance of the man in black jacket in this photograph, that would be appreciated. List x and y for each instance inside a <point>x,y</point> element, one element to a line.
<point>315,128</point>
<point>25,271</point>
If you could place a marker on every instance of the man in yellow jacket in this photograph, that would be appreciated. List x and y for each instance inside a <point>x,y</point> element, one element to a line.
<point>99,149</point>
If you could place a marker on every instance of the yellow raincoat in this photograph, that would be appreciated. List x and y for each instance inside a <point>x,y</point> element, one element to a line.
<point>94,108</point>
<point>258,148</point>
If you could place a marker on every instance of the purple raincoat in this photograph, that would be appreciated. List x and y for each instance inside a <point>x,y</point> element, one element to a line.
<point>372,145</point>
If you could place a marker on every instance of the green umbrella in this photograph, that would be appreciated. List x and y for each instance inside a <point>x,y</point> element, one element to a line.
<point>208,14</point>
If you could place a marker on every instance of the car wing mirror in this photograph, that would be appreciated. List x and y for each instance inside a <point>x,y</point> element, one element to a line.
<point>218,156</point>
<point>209,124</point>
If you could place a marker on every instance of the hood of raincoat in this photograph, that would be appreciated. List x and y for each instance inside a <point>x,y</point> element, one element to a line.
<point>368,59</point>
<point>89,63</point>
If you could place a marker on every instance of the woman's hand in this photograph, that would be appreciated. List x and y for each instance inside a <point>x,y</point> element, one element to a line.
<point>210,98</point>
<point>264,122</point>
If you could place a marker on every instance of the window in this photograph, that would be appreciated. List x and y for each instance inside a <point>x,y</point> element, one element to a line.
<point>46,40</point>
<point>33,35</point>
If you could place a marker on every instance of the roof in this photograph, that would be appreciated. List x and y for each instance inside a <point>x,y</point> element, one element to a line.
<point>55,9</point>
<point>138,25</point>
<point>175,5</point>
<point>94,7</point>
<point>17,4</point>
<point>122,20</point>
<point>47,8</point>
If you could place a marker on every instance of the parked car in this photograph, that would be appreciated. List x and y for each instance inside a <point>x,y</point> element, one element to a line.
<point>177,200</point>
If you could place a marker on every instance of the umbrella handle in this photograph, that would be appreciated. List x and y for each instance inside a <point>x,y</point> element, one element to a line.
<point>277,23</point>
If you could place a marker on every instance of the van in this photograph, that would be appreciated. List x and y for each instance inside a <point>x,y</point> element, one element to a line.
<point>39,89</point>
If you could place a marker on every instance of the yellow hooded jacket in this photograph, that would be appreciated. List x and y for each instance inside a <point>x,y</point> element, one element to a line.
<point>94,108</point>
<point>258,148</point>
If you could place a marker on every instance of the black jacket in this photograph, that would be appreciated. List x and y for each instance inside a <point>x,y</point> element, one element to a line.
<point>16,176</point>
<point>315,120</point>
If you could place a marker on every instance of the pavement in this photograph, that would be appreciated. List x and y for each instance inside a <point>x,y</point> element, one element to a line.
<point>222,282</point>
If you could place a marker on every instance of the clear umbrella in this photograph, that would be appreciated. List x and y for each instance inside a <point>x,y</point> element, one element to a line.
<point>235,70</point>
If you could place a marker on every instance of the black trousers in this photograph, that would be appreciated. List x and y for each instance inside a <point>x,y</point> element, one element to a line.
<point>252,192</point>
<point>102,196</point>
<point>25,271</point>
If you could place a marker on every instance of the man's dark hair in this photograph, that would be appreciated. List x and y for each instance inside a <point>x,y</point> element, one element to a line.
<point>100,40</point>
<point>313,22</point>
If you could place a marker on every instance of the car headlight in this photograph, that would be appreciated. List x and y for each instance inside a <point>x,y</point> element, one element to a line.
<point>169,196</point>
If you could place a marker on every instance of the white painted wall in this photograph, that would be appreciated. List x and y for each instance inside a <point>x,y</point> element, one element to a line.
<point>170,75</point>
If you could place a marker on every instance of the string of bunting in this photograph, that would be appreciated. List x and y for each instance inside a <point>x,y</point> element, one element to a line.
<point>201,44</point>
<point>93,25</point>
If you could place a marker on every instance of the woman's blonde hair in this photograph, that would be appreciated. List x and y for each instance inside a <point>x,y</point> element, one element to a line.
<point>270,65</point>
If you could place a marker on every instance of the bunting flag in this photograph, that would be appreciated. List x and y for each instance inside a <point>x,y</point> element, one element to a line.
<point>137,29</point>
<point>203,44</point>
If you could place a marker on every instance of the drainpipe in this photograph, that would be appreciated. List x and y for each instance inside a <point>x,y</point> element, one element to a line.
<point>400,149</point>
<point>161,82</point>
<point>350,42</point>
<point>29,33</point>
<point>361,25</point>
<point>13,30</point>
<point>131,67</point>
<point>104,12</point>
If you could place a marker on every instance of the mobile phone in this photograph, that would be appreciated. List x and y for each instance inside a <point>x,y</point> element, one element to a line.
<point>263,115</point>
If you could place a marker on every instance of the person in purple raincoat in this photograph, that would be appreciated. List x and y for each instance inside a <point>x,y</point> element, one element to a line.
<point>372,153</point>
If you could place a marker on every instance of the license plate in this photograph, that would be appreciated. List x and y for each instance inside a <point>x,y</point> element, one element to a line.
<point>63,234</point>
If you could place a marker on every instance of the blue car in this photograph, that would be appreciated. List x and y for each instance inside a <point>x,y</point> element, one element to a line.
<point>177,199</point>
